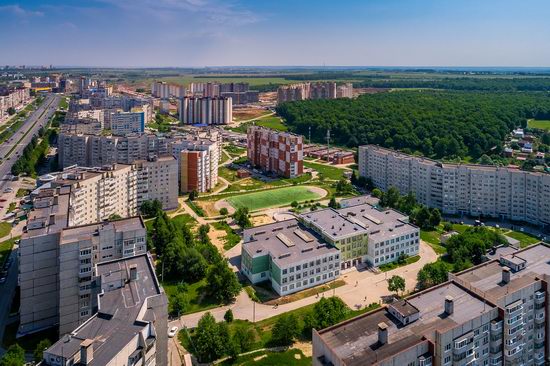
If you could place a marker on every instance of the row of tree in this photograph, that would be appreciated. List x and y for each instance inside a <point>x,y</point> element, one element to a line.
<point>34,154</point>
<point>439,124</point>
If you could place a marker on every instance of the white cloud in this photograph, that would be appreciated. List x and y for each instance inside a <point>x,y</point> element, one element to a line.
<point>18,11</point>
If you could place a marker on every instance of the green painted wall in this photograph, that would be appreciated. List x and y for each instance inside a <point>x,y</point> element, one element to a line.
<point>260,264</point>
<point>275,273</point>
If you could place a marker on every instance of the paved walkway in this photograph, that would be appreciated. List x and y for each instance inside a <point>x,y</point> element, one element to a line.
<point>359,284</point>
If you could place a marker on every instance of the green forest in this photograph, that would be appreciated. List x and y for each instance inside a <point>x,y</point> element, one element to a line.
<point>439,124</point>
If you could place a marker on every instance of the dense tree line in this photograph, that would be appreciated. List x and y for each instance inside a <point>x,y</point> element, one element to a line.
<point>465,83</point>
<point>34,154</point>
<point>440,124</point>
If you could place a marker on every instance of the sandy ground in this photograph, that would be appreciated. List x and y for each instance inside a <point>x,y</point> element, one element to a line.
<point>223,203</point>
<point>305,347</point>
<point>216,236</point>
<point>248,113</point>
<point>261,220</point>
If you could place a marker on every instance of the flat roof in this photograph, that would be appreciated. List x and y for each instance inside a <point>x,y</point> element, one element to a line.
<point>333,224</point>
<point>53,217</point>
<point>84,232</point>
<point>487,277</point>
<point>286,241</point>
<point>356,341</point>
<point>118,320</point>
<point>359,200</point>
<point>379,224</point>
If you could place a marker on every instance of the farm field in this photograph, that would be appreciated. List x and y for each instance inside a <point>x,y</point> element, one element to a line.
<point>273,197</point>
<point>539,123</point>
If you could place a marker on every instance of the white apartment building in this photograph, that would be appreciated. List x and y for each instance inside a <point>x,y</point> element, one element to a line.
<point>198,163</point>
<point>289,256</point>
<point>12,98</point>
<point>135,336</point>
<point>125,123</point>
<point>494,314</point>
<point>157,179</point>
<point>461,189</point>
<point>205,110</point>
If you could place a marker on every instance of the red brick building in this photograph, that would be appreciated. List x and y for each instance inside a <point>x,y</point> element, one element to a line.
<point>275,151</point>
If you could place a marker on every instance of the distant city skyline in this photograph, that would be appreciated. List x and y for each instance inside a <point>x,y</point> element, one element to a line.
<point>199,33</point>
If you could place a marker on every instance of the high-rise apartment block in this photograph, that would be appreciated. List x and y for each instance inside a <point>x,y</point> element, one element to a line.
<point>198,164</point>
<point>164,90</point>
<point>12,98</point>
<point>238,92</point>
<point>125,123</point>
<point>492,314</point>
<point>320,90</point>
<point>157,179</point>
<point>277,152</point>
<point>205,110</point>
<point>461,189</point>
<point>130,325</point>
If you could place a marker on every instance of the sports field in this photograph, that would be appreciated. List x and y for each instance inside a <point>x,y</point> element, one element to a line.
<point>539,123</point>
<point>275,197</point>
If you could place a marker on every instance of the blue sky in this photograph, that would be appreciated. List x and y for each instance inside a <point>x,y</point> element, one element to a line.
<point>275,32</point>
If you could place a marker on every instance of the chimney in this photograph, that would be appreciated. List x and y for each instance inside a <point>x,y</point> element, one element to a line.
<point>382,333</point>
<point>133,273</point>
<point>449,305</point>
<point>506,275</point>
<point>86,351</point>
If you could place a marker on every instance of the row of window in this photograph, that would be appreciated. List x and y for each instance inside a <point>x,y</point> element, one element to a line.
<point>317,262</point>
<point>313,280</point>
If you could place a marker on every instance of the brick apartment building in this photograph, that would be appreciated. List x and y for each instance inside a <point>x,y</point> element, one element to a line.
<point>276,152</point>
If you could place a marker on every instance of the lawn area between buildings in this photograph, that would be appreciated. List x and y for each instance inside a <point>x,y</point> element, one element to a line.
<point>273,197</point>
<point>539,123</point>
<point>291,356</point>
<point>326,171</point>
<point>196,293</point>
<point>5,249</point>
<point>524,239</point>
<point>178,219</point>
<point>5,229</point>
<point>393,265</point>
<point>263,293</point>
<point>231,238</point>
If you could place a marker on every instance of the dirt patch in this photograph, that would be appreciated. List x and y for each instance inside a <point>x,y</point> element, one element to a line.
<point>305,347</point>
<point>217,206</point>
<point>209,207</point>
<point>258,358</point>
<point>261,220</point>
<point>216,237</point>
<point>248,113</point>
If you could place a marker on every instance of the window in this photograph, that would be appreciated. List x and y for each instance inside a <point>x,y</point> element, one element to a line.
<point>447,359</point>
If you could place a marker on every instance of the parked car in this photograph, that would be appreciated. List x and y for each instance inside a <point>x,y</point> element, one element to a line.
<point>172,332</point>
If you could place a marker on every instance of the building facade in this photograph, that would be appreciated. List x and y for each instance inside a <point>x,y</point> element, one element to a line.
<point>461,189</point>
<point>289,256</point>
<point>12,98</point>
<point>125,123</point>
<point>157,180</point>
<point>135,336</point>
<point>492,314</point>
<point>277,152</point>
<point>320,90</point>
<point>205,110</point>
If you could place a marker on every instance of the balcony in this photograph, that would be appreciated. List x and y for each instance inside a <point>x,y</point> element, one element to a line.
<point>539,297</point>
<point>539,344</point>
<point>496,326</point>
<point>539,318</point>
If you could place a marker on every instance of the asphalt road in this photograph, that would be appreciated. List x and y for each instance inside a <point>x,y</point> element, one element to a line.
<point>34,122</point>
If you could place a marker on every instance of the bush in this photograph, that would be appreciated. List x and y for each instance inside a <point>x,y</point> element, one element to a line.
<point>286,329</point>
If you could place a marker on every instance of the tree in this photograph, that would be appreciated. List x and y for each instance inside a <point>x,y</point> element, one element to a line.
<point>333,204</point>
<point>163,233</point>
<point>486,160</point>
<point>545,139</point>
<point>14,356</point>
<point>377,193</point>
<point>396,283</point>
<point>294,204</point>
<point>151,208</point>
<point>328,311</point>
<point>343,186</point>
<point>422,217</point>
<point>211,340</point>
<point>114,217</point>
<point>432,274</point>
<point>407,204</point>
<point>223,211</point>
<point>40,348</point>
<point>11,111</point>
<point>228,316</point>
<point>241,218</point>
<point>286,329</point>
<point>179,304</point>
<point>180,261</point>
<point>390,198</point>
<point>193,195</point>
<point>435,218</point>
<point>447,226</point>
<point>242,339</point>
<point>222,283</point>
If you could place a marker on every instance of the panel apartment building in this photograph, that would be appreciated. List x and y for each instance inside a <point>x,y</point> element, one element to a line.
<point>492,314</point>
<point>239,93</point>
<point>205,110</point>
<point>130,326</point>
<point>320,90</point>
<point>12,98</point>
<point>461,189</point>
<point>276,152</point>
<point>56,260</point>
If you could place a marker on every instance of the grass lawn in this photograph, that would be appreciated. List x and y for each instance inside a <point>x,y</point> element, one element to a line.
<point>5,249</point>
<point>196,293</point>
<point>273,197</point>
<point>272,122</point>
<point>5,229</point>
<point>246,184</point>
<point>266,358</point>
<point>21,192</point>
<point>234,150</point>
<point>263,293</point>
<point>389,266</point>
<point>539,123</point>
<point>524,239</point>
<point>432,238</point>
<point>179,220</point>
<point>231,238</point>
<point>326,171</point>
<point>63,103</point>
<point>228,174</point>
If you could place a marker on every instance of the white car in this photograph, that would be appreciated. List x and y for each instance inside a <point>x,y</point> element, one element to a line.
<point>172,332</point>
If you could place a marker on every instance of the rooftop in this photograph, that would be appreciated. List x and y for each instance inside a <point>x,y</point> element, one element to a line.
<point>85,232</point>
<point>356,341</point>
<point>359,200</point>
<point>50,213</point>
<point>287,241</point>
<point>333,224</point>
<point>121,312</point>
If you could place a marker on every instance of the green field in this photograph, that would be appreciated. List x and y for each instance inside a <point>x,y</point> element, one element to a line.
<point>266,358</point>
<point>524,239</point>
<point>273,197</point>
<point>539,123</point>
<point>326,171</point>
<point>273,122</point>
